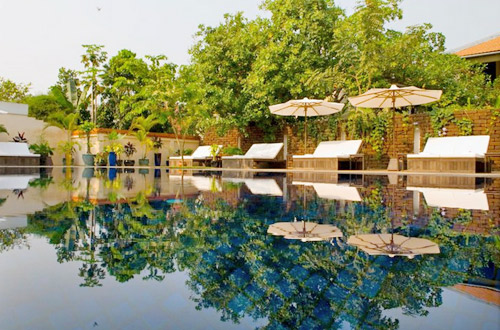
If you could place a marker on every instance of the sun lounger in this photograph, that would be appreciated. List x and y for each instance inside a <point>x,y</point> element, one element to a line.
<point>332,155</point>
<point>17,154</point>
<point>470,199</point>
<point>201,155</point>
<point>260,155</point>
<point>451,154</point>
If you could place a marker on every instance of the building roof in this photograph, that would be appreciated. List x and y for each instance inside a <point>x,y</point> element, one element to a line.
<point>483,47</point>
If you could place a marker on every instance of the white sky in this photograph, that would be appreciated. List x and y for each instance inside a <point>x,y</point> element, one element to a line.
<point>39,36</point>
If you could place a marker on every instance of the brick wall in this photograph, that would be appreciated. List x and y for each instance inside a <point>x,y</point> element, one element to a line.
<point>404,137</point>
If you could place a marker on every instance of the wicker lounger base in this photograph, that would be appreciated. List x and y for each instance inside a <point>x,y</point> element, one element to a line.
<point>329,163</point>
<point>188,162</point>
<point>253,163</point>
<point>19,161</point>
<point>450,165</point>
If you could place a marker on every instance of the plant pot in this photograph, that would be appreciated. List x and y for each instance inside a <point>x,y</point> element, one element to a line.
<point>88,173</point>
<point>112,174</point>
<point>129,162</point>
<point>119,162</point>
<point>157,159</point>
<point>88,159</point>
<point>112,158</point>
<point>46,161</point>
<point>143,162</point>
<point>103,162</point>
<point>143,171</point>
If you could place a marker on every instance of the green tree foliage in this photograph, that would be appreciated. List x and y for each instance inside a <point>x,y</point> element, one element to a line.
<point>93,59</point>
<point>122,79</point>
<point>43,106</point>
<point>13,92</point>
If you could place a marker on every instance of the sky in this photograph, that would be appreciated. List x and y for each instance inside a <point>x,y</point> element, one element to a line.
<point>38,37</point>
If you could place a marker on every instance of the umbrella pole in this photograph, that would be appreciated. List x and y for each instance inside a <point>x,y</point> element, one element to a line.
<point>305,131</point>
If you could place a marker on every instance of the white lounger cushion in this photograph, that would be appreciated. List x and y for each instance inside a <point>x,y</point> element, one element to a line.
<point>202,153</point>
<point>455,147</point>
<point>13,149</point>
<point>260,151</point>
<point>454,198</point>
<point>335,149</point>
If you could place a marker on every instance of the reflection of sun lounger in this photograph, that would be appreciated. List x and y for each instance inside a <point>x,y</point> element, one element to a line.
<point>264,187</point>
<point>205,183</point>
<point>454,198</point>
<point>260,155</point>
<point>202,154</point>
<point>12,153</point>
<point>332,155</point>
<point>11,182</point>
<point>451,154</point>
<point>334,191</point>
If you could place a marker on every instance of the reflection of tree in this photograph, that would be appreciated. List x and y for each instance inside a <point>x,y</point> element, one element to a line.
<point>11,238</point>
<point>236,268</point>
<point>239,270</point>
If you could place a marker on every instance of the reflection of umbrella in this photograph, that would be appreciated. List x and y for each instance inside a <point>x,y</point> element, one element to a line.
<point>393,245</point>
<point>305,231</point>
<point>306,108</point>
<point>395,97</point>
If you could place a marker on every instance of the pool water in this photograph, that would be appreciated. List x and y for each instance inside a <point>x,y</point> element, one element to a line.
<point>153,249</point>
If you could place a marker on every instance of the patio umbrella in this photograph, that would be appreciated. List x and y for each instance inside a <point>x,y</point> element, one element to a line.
<point>395,97</point>
<point>304,230</point>
<point>306,108</point>
<point>393,245</point>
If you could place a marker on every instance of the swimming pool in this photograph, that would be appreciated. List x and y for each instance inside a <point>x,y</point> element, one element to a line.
<point>191,250</point>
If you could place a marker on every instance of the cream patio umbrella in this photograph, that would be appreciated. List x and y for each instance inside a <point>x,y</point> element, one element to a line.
<point>393,245</point>
<point>306,108</point>
<point>395,97</point>
<point>304,230</point>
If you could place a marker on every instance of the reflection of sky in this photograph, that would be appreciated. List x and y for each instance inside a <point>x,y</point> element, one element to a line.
<point>458,311</point>
<point>47,296</point>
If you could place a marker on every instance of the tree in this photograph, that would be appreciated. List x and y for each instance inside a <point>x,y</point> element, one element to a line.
<point>92,60</point>
<point>69,123</point>
<point>13,92</point>
<point>122,78</point>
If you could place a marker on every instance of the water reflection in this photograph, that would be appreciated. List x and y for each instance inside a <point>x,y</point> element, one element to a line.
<point>213,226</point>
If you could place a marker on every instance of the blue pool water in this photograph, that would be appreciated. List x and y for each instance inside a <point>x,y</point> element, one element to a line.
<point>156,250</point>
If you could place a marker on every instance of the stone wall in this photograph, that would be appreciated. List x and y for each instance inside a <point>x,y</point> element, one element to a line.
<point>483,122</point>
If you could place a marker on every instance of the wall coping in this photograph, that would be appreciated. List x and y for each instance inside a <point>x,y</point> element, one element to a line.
<point>128,133</point>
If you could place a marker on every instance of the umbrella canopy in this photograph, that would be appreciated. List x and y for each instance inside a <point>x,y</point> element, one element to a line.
<point>393,245</point>
<point>304,231</point>
<point>395,97</point>
<point>306,108</point>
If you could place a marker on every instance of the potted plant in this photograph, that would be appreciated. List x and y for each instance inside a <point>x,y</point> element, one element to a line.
<point>129,150</point>
<point>114,151</point>
<point>113,147</point>
<point>142,137</point>
<point>86,128</point>
<point>68,148</point>
<point>157,144</point>
<point>44,150</point>
<point>101,158</point>
<point>20,138</point>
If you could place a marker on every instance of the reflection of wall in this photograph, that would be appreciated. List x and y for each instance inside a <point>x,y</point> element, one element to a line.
<point>99,140</point>
<point>106,185</point>
<point>34,129</point>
